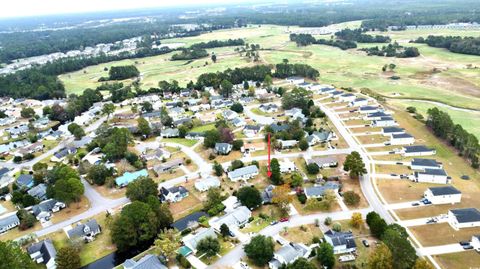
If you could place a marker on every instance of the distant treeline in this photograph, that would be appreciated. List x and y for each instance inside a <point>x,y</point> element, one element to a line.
<point>443,127</point>
<point>218,44</point>
<point>358,36</point>
<point>392,50</point>
<point>457,44</point>
<point>123,72</point>
<point>189,54</point>
<point>307,39</point>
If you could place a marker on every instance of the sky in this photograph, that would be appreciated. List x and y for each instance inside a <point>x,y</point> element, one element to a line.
<point>23,8</point>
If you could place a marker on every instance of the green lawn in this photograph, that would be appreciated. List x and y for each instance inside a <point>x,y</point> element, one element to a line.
<point>203,128</point>
<point>182,141</point>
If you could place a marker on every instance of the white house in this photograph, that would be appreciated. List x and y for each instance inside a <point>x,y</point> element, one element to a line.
<point>443,195</point>
<point>287,166</point>
<point>358,102</point>
<point>244,173</point>
<point>402,139</point>
<point>323,162</point>
<point>347,97</point>
<point>464,218</point>
<point>231,203</point>
<point>268,108</point>
<point>295,80</point>
<point>437,176</point>
<point>417,150</point>
<point>369,109</point>
<point>233,219</point>
<point>191,240</point>
<point>384,122</point>
<point>207,183</point>
<point>229,114</point>
<point>421,164</point>
<point>9,222</point>
<point>251,130</point>
<point>43,252</point>
<point>289,253</point>
<point>388,131</point>
<point>342,242</point>
<point>286,144</point>
<point>475,242</point>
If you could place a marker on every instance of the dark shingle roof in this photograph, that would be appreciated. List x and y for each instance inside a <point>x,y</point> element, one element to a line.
<point>444,190</point>
<point>389,130</point>
<point>466,215</point>
<point>425,162</point>
<point>417,148</point>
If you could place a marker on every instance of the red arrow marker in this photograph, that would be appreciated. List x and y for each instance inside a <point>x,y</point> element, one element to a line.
<point>269,173</point>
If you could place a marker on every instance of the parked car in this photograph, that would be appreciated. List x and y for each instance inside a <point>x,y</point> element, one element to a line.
<point>431,221</point>
<point>273,222</point>
<point>394,175</point>
<point>468,247</point>
<point>365,243</point>
<point>427,202</point>
<point>464,243</point>
<point>284,219</point>
<point>399,163</point>
<point>415,204</point>
<point>232,234</point>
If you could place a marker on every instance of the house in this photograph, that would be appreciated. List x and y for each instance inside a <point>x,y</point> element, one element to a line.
<point>195,135</point>
<point>475,242</point>
<point>176,112</point>
<point>39,191</point>
<point>376,115</point>
<point>402,139</point>
<point>267,194</point>
<point>437,176</point>
<point>159,154</point>
<point>388,131</point>
<point>464,218</point>
<point>168,133</point>
<point>233,219</point>
<point>191,240</point>
<point>417,150</point>
<point>342,242</point>
<point>422,164</point>
<point>305,85</point>
<point>231,203</point>
<point>443,195</point>
<point>173,194</point>
<point>276,127</point>
<point>125,116</point>
<point>229,114</point>
<point>238,122</point>
<point>207,183</point>
<point>319,137</point>
<point>251,130</point>
<point>347,97</point>
<point>30,149</point>
<point>24,181</point>
<point>43,211</point>
<point>87,232</point>
<point>189,221</point>
<point>148,261</point>
<point>323,162</point>
<point>251,147</point>
<point>287,144</point>
<point>43,252</point>
<point>287,166</point>
<point>295,114</point>
<point>9,222</point>
<point>181,121</point>
<point>84,141</point>
<point>369,109</point>
<point>325,89</point>
<point>268,108</point>
<point>60,155</point>
<point>318,191</point>
<point>384,122</point>
<point>287,254</point>
<point>295,80</point>
<point>358,102</point>
<point>222,148</point>
<point>128,177</point>
<point>336,94</point>
<point>167,166</point>
<point>243,173</point>
<point>4,175</point>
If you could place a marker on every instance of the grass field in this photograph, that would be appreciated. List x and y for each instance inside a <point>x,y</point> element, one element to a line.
<point>453,83</point>
<point>460,260</point>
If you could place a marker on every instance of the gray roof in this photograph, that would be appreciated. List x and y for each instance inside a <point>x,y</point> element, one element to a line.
<point>148,262</point>
<point>320,161</point>
<point>366,108</point>
<point>425,162</point>
<point>267,194</point>
<point>341,238</point>
<point>223,148</point>
<point>46,248</point>
<point>252,127</point>
<point>444,190</point>
<point>239,215</point>
<point>79,230</point>
<point>320,190</point>
<point>404,135</point>
<point>39,191</point>
<point>24,180</point>
<point>9,220</point>
<point>4,171</point>
<point>435,172</point>
<point>417,148</point>
<point>192,240</point>
<point>288,253</point>
<point>465,215</point>
<point>378,114</point>
<point>279,128</point>
<point>45,206</point>
<point>388,130</point>
<point>251,169</point>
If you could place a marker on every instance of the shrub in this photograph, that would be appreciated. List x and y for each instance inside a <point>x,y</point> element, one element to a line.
<point>337,227</point>
<point>351,198</point>
<point>302,198</point>
<point>186,231</point>
<point>327,221</point>
<point>313,169</point>
<point>188,161</point>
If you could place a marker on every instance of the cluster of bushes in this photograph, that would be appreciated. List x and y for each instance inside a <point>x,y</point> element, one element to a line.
<point>121,72</point>
<point>360,37</point>
<point>189,54</point>
<point>392,50</point>
<point>457,44</point>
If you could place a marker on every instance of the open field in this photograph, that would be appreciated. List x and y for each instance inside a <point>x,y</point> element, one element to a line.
<point>460,260</point>
<point>453,83</point>
<point>444,234</point>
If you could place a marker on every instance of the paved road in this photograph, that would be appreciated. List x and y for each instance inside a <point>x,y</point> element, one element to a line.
<point>262,120</point>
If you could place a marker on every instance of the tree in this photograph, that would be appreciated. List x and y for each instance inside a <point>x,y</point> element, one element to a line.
<point>218,169</point>
<point>301,263</point>
<point>27,220</point>
<point>404,255</point>
<point>422,264</point>
<point>237,107</point>
<point>380,258</point>
<point>211,138</point>
<point>355,165</point>
<point>236,164</point>
<point>312,168</point>
<point>260,250</point>
<point>267,81</point>
<point>76,131</point>
<point>296,180</point>
<point>116,143</point>
<point>214,197</point>
<point>356,220</point>
<point>68,258</point>
<point>226,88</point>
<point>68,190</point>
<point>146,107</point>
<point>99,173</point>
<point>237,144</point>
<point>167,243</point>
<point>276,176</point>
<point>136,226</point>
<point>325,255</point>
<point>376,224</point>
<point>142,188</point>
<point>108,109</point>
<point>27,112</point>
<point>298,98</point>
<point>351,198</point>
<point>303,144</point>
<point>224,230</point>
<point>12,256</point>
<point>214,58</point>
<point>144,127</point>
<point>209,245</point>
<point>249,197</point>
<point>281,197</point>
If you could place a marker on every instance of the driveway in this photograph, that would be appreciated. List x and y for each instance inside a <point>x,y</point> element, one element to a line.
<point>196,262</point>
